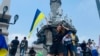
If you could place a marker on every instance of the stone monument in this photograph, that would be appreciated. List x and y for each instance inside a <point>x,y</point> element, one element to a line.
<point>46,33</point>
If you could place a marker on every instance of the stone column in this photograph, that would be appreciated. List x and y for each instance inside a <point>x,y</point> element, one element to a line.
<point>4,23</point>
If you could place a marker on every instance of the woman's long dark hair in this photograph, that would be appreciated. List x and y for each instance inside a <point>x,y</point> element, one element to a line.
<point>62,30</point>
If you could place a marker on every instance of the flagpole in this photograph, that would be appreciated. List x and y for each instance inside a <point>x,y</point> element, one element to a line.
<point>99,41</point>
<point>36,20</point>
<point>98,6</point>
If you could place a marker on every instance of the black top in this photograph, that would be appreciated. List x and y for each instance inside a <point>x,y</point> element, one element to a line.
<point>83,46</point>
<point>15,43</point>
<point>58,37</point>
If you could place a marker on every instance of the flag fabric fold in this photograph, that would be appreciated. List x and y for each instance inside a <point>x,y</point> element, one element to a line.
<point>37,19</point>
<point>3,46</point>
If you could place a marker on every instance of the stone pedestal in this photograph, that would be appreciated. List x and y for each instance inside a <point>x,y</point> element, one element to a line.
<point>45,48</point>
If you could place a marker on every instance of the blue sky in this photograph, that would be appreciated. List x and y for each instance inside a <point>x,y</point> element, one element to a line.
<point>83,13</point>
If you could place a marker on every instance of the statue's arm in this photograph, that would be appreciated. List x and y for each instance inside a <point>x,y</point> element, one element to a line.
<point>65,27</point>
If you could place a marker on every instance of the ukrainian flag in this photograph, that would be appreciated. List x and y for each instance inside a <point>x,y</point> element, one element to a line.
<point>3,46</point>
<point>38,17</point>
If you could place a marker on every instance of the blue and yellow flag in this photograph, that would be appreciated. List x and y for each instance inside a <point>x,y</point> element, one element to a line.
<point>38,17</point>
<point>3,46</point>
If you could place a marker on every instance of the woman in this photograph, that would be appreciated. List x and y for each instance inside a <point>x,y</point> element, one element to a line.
<point>57,47</point>
<point>68,45</point>
<point>94,50</point>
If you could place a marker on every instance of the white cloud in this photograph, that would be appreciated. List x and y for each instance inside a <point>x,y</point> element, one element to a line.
<point>20,37</point>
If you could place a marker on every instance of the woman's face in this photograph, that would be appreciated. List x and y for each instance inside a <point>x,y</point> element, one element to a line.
<point>59,28</point>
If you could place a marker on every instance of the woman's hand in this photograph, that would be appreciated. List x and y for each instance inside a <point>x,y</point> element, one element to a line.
<point>65,27</point>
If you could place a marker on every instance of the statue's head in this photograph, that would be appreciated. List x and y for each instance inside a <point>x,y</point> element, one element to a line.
<point>55,1</point>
